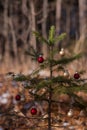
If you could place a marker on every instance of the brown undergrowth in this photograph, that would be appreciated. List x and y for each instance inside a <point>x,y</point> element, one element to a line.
<point>13,115</point>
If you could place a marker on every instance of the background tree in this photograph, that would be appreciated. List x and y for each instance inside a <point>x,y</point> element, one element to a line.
<point>82,26</point>
<point>20,18</point>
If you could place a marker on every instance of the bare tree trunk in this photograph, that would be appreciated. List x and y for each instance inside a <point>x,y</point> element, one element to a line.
<point>68,10</point>
<point>33,28</point>
<point>82,18</point>
<point>58,19</point>
<point>33,23</point>
<point>5,32</point>
<point>26,12</point>
<point>81,44</point>
<point>14,37</point>
<point>14,44</point>
<point>24,8</point>
<point>58,15</point>
<point>25,58</point>
<point>25,34</point>
<point>44,26</point>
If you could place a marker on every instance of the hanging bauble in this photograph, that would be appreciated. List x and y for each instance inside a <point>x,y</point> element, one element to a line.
<point>62,52</point>
<point>40,59</point>
<point>33,111</point>
<point>17,97</point>
<point>70,113</point>
<point>66,73</point>
<point>76,75</point>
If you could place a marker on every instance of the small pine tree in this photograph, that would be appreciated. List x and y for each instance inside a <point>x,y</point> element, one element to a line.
<point>53,85</point>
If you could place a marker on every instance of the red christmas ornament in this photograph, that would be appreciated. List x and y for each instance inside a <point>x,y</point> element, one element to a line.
<point>33,111</point>
<point>18,97</point>
<point>40,59</point>
<point>76,75</point>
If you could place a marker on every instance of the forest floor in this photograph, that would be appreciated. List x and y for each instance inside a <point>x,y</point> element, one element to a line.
<point>16,115</point>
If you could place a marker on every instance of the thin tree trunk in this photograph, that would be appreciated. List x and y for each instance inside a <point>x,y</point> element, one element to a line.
<point>5,32</point>
<point>81,45</point>
<point>68,10</point>
<point>44,26</point>
<point>58,15</point>
<point>14,37</point>
<point>25,34</point>
<point>33,28</point>
<point>24,8</point>
<point>58,19</point>
<point>33,23</point>
<point>14,44</point>
<point>82,18</point>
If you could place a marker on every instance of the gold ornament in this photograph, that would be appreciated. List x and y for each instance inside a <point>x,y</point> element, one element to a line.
<point>70,113</point>
<point>66,73</point>
<point>62,52</point>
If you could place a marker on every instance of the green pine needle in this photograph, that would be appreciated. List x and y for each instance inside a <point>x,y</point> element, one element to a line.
<point>20,78</point>
<point>40,37</point>
<point>65,60</point>
<point>51,35</point>
<point>60,37</point>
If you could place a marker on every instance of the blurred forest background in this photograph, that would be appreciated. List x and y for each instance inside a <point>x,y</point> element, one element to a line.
<point>18,18</point>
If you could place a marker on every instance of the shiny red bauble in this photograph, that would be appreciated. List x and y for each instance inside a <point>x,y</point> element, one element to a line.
<point>33,111</point>
<point>40,59</point>
<point>76,75</point>
<point>17,97</point>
